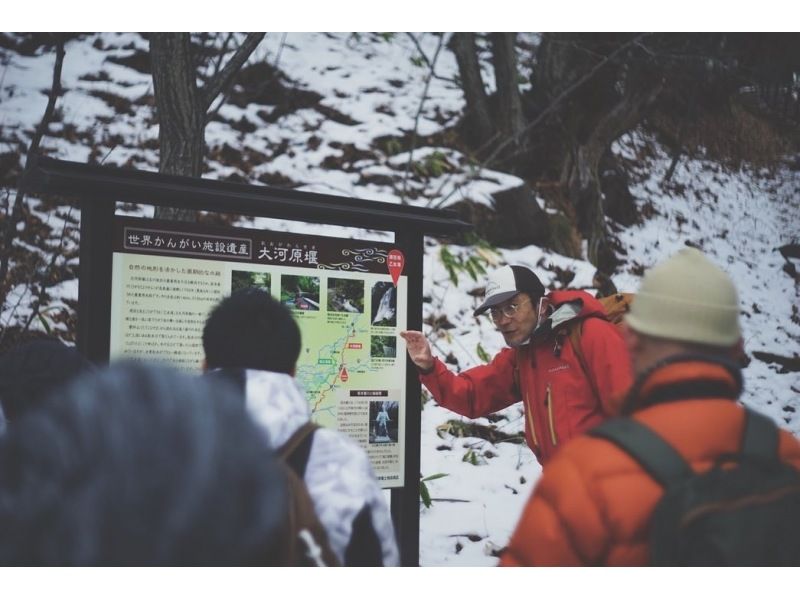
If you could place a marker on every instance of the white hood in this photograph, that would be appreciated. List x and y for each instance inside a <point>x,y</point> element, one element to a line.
<point>338,475</point>
<point>277,403</point>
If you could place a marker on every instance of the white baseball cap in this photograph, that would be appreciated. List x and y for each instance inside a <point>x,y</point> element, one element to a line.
<point>508,281</point>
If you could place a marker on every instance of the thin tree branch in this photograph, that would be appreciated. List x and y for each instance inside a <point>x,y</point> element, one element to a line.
<point>221,56</point>
<point>416,120</point>
<point>12,312</point>
<point>223,98</point>
<point>223,78</point>
<point>43,279</point>
<point>426,60</point>
<point>33,149</point>
<point>55,91</point>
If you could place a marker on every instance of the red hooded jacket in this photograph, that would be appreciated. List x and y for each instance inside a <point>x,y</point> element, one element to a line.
<point>559,400</point>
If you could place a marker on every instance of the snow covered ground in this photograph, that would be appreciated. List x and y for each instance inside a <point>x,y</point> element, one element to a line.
<point>374,86</point>
<point>738,219</point>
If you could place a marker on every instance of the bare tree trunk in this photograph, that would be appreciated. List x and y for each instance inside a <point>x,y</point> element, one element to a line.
<point>509,103</point>
<point>181,123</point>
<point>182,107</point>
<point>583,187</point>
<point>619,203</point>
<point>581,176</point>
<point>611,101</point>
<point>478,116</point>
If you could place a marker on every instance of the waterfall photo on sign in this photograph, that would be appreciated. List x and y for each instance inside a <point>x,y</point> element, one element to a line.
<point>383,346</point>
<point>384,304</point>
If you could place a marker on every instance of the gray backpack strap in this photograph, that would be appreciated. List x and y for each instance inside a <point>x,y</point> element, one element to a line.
<point>760,437</point>
<point>653,453</point>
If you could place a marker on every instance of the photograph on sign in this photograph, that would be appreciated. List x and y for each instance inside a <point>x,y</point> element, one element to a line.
<point>383,415</point>
<point>384,304</point>
<point>383,347</point>
<point>300,292</point>
<point>346,295</point>
<point>241,279</point>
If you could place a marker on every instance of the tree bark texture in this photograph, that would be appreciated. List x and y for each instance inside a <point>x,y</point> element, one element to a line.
<point>509,103</point>
<point>182,106</point>
<point>619,203</point>
<point>478,115</point>
<point>180,117</point>
<point>181,121</point>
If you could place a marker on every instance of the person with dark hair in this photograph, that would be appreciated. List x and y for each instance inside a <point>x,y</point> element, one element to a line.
<point>30,370</point>
<point>251,339</point>
<point>662,476</point>
<point>227,345</point>
<point>139,465</point>
<point>565,389</point>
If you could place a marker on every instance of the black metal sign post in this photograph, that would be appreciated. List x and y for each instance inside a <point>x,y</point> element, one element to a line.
<point>405,510</point>
<point>99,188</point>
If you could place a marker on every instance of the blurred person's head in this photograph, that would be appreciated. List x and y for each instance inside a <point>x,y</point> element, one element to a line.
<point>32,369</point>
<point>251,330</point>
<point>684,305</point>
<point>140,465</point>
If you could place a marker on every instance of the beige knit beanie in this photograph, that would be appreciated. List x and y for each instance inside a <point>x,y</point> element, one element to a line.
<point>687,298</point>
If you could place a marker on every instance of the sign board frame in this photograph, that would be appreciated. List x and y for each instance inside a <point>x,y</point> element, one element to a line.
<point>99,188</point>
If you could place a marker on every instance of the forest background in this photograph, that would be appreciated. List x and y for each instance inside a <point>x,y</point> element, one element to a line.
<point>586,156</point>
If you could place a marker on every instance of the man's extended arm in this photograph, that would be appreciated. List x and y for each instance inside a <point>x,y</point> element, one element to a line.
<point>475,392</point>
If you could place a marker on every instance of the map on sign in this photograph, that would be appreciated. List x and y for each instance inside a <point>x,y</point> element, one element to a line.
<point>353,348</point>
<point>348,298</point>
<point>335,357</point>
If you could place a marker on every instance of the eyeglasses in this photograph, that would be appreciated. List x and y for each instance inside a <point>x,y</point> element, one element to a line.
<point>509,311</point>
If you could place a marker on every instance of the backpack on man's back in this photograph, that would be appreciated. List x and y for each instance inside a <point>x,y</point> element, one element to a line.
<point>744,511</point>
<point>308,543</point>
<point>615,306</point>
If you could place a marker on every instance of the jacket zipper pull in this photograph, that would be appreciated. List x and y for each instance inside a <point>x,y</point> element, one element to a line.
<point>549,403</point>
<point>529,411</point>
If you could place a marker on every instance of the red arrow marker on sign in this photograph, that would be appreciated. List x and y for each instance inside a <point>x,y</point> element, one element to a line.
<point>344,375</point>
<point>395,261</point>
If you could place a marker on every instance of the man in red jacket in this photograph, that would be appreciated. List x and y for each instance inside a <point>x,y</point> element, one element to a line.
<point>595,503</point>
<point>540,366</point>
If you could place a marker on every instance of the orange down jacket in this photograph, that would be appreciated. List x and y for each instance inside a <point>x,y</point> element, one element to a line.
<point>560,402</point>
<point>593,502</point>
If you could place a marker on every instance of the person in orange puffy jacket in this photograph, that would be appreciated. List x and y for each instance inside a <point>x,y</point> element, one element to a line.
<point>540,366</point>
<point>593,503</point>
